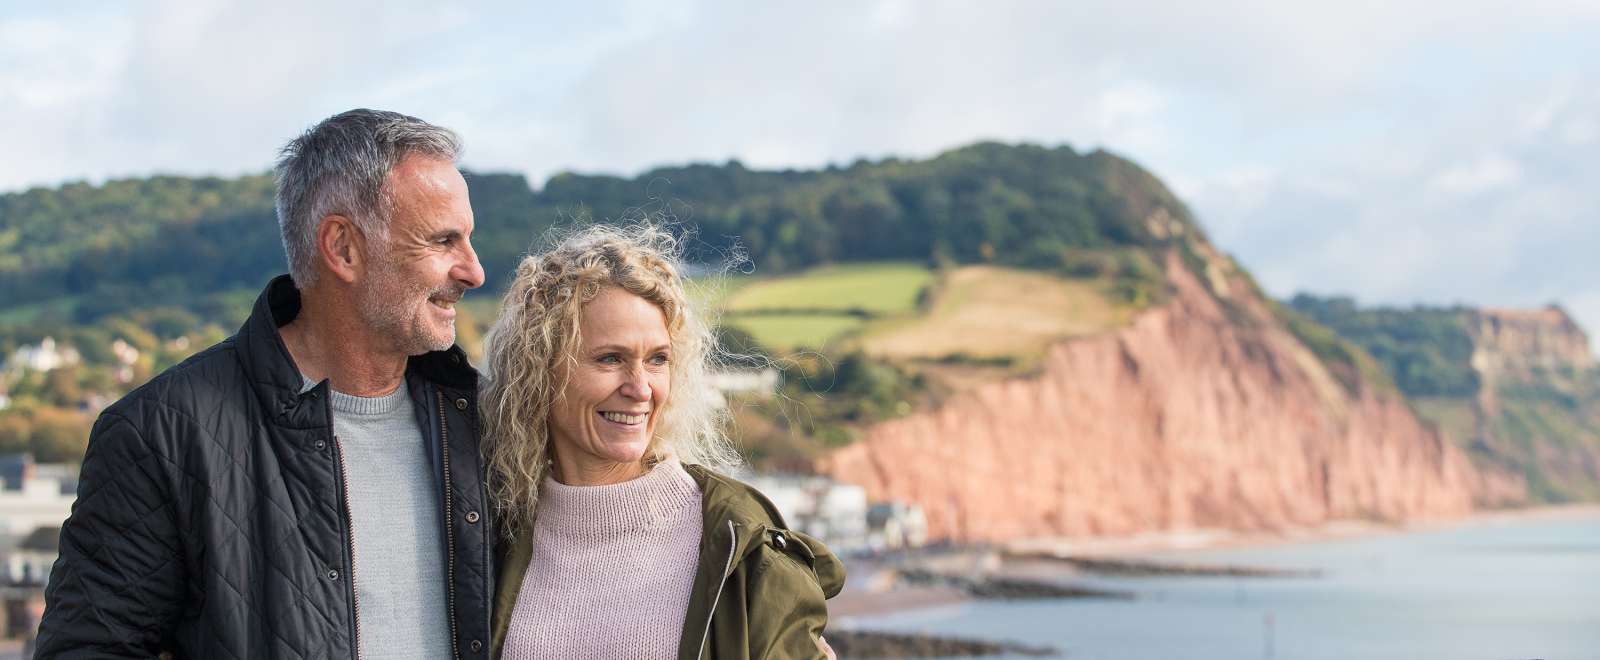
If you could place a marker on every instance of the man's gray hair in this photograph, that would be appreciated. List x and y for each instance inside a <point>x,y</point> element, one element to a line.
<point>340,167</point>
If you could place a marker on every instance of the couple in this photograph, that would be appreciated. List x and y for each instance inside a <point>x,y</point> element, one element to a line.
<point>335,481</point>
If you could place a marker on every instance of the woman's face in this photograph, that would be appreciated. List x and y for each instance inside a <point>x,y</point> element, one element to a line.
<point>615,391</point>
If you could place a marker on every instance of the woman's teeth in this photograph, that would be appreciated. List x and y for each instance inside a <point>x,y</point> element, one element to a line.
<point>622,418</point>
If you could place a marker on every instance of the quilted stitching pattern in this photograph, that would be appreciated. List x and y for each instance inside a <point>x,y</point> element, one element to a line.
<point>207,519</point>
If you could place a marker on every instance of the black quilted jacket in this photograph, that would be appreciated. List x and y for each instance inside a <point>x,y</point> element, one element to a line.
<point>211,518</point>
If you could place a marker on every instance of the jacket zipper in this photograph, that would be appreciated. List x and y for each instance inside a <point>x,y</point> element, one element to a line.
<point>350,548</point>
<point>733,546</point>
<point>449,528</point>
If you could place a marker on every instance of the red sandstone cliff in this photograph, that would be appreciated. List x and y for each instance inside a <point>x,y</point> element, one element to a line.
<point>1196,416</point>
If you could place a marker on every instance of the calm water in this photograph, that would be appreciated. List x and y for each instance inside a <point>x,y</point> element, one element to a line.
<point>1509,589</point>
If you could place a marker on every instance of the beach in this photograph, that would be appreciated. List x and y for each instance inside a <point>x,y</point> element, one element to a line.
<point>1523,580</point>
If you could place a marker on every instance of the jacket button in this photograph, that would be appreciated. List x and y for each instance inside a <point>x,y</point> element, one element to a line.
<point>472,517</point>
<point>322,444</point>
<point>333,574</point>
<point>461,404</point>
<point>779,541</point>
<point>476,646</point>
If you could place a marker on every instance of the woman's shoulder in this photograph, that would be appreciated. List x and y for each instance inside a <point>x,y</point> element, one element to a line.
<point>728,499</point>
<point>732,499</point>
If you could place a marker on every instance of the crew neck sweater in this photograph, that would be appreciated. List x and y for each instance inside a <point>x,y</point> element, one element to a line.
<point>397,544</point>
<point>611,571</point>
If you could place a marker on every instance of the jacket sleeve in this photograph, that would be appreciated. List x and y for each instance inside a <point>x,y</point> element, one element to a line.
<point>789,611</point>
<point>115,590</point>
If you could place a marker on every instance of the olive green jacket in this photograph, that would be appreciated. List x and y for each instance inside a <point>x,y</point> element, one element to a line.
<point>759,590</point>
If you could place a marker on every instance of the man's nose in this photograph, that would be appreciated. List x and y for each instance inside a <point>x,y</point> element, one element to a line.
<point>469,272</point>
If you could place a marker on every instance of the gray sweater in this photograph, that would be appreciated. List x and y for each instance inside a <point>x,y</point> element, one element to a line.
<point>394,512</point>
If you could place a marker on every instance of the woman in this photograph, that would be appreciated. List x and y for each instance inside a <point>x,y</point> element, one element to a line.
<point>601,433</point>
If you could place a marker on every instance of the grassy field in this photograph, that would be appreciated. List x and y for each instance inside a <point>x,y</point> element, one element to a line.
<point>878,288</point>
<point>990,312</point>
<point>789,332</point>
<point>21,314</point>
<point>978,312</point>
<point>815,308</point>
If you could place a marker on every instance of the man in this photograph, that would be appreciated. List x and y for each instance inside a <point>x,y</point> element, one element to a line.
<point>310,487</point>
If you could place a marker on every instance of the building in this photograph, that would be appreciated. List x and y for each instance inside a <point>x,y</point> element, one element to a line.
<point>758,382</point>
<point>895,525</point>
<point>28,564</point>
<point>44,357</point>
<point>34,500</point>
<point>829,510</point>
<point>32,497</point>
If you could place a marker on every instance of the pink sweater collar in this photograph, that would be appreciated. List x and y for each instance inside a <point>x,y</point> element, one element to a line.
<point>654,500</point>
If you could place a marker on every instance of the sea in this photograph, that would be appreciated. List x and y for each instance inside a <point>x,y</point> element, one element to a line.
<point>1508,588</point>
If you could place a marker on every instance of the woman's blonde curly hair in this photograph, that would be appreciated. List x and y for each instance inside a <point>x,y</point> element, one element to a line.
<point>538,331</point>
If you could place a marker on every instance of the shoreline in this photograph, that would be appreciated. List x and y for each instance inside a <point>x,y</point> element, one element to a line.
<point>877,592</point>
<point>1335,530</point>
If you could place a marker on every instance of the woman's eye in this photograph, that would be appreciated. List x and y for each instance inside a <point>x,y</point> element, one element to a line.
<point>660,358</point>
<point>610,359</point>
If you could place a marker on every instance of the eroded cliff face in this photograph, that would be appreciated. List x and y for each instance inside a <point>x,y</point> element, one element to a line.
<point>1513,342</point>
<point>1537,409</point>
<point>1539,347</point>
<point>1200,415</point>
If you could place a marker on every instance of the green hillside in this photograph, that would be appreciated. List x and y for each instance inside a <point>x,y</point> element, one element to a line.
<point>1533,411</point>
<point>117,246</point>
<point>895,274</point>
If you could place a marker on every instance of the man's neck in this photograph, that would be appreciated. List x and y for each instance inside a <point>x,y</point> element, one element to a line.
<point>338,347</point>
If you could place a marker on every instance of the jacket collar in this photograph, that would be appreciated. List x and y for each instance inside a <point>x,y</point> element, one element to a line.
<point>277,381</point>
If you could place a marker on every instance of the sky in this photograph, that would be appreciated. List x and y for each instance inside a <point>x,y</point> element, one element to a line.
<point>1397,152</point>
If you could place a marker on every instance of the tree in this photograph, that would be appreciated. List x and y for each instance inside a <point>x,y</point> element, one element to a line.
<point>59,435</point>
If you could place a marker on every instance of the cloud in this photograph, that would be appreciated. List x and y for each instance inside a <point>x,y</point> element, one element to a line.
<point>1484,173</point>
<point>1400,152</point>
<point>1484,211</point>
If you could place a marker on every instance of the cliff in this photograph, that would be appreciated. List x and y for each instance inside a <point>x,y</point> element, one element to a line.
<point>1205,412</point>
<point>1537,409</point>
<point>1522,341</point>
<point>1518,388</point>
<point>1525,347</point>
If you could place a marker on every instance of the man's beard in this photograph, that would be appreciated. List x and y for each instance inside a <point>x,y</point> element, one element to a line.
<point>394,309</point>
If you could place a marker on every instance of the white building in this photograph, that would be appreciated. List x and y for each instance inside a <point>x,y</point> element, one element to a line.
<point>29,562</point>
<point>44,357</point>
<point>760,382</point>
<point>832,511</point>
<point>894,525</point>
<point>32,497</point>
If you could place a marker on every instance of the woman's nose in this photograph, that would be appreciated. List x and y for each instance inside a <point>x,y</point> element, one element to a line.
<point>636,385</point>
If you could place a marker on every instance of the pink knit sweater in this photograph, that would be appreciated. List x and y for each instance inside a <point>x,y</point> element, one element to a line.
<point>611,570</point>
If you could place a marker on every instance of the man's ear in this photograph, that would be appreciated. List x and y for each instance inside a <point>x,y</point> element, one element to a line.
<point>339,245</point>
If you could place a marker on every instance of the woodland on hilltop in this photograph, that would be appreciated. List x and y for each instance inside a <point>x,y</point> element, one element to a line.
<point>103,249</point>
